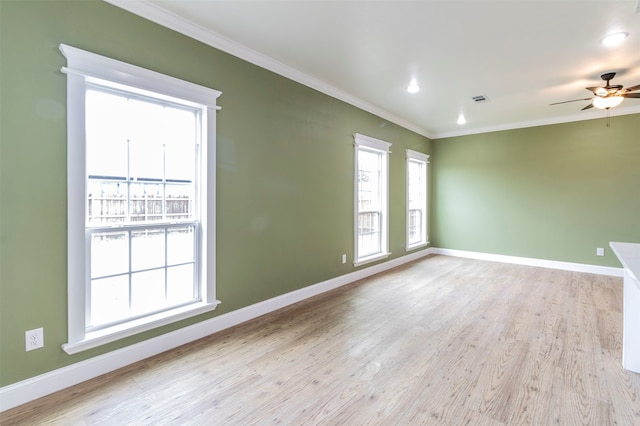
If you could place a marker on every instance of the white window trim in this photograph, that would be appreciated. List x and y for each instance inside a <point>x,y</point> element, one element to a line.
<point>367,142</point>
<point>417,156</point>
<point>84,67</point>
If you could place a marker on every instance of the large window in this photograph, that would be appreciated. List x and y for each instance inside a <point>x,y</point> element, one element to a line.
<point>371,199</point>
<point>141,199</point>
<point>416,199</point>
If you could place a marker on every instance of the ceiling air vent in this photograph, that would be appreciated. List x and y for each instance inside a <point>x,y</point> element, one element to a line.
<point>480,99</point>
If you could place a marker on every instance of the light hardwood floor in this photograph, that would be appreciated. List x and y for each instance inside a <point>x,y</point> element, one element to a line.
<point>439,341</point>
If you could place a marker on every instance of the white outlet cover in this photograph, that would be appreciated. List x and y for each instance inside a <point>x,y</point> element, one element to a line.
<point>34,339</point>
<point>600,251</point>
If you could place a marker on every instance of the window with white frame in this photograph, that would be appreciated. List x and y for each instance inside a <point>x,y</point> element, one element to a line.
<point>141,199</point>
<point>371,199</point>
<point>416,199</point>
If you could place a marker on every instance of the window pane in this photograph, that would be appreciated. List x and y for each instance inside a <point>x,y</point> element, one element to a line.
<point>107,201</point>
<point>180,245</point>
<point>415,226</point>
<point>369,194</point>
<point>416,184</point>
<point>137,202</point>
<point>147,249</point>
<point>146,140</point>
<point>106,136</point>
<point>180,284</point>
<point>146,161</point>
<point>147,291</point>
<point>179,201</point>
<point>180,144</point>
<point>109,253</point>
<point>146,202</point>
<point>369,234</point>
<point>107,156</point>
<point>109,299</point>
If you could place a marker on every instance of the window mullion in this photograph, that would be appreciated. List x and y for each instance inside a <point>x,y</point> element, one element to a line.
<point>128,218</point>
<point>163,208</point>
<point>87,278</point>
<point>130,274</point>
<point>166,264</point>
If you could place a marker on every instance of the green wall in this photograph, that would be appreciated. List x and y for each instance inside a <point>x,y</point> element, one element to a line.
<point>553,192</point>
<point>285,177</point>
<point>285,171</point>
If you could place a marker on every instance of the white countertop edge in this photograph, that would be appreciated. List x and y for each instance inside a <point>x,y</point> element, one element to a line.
<point>629,256</point>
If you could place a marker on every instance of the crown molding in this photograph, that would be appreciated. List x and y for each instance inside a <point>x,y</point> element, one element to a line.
<point>161,16</point>
<point>155,13</point>
<point>591,115</point>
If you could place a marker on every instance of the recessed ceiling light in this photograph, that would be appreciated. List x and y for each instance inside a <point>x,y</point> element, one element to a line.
<point>413,88</point>
<point>461,119</point>
<point>614,39</point>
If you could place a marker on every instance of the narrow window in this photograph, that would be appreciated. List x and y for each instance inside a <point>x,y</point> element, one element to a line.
<point>141,197</point>
<point>416,199</point>
<point>371,199</point>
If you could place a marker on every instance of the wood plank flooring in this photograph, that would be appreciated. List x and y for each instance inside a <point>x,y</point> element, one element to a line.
<point>439,341</point>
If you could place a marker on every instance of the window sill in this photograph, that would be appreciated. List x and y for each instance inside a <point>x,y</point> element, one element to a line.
<point>370,259</point>
<point>416,246</point>
<point>111,334</point>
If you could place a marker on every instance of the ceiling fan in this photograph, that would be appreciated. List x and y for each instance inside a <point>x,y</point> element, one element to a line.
<point>608,96</point>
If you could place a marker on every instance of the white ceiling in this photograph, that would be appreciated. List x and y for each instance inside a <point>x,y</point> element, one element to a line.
<point>522,55</point>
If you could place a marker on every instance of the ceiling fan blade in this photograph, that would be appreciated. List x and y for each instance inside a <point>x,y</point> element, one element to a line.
<point>574,100</point>
<point>587,107</point>
<point>631,95</point>
<point>633,88</point>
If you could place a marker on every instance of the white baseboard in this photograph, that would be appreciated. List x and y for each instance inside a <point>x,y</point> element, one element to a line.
<point>553,264</point>
<point>56,380</point>
<point>45,384</point>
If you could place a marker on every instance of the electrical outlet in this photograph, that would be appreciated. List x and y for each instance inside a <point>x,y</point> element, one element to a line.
<point>34,339</point>
<point>344,258</point>
<point>600,251</point>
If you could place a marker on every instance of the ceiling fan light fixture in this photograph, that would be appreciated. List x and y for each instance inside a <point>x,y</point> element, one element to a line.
<point>608,102</point>
<point>614,39</point>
